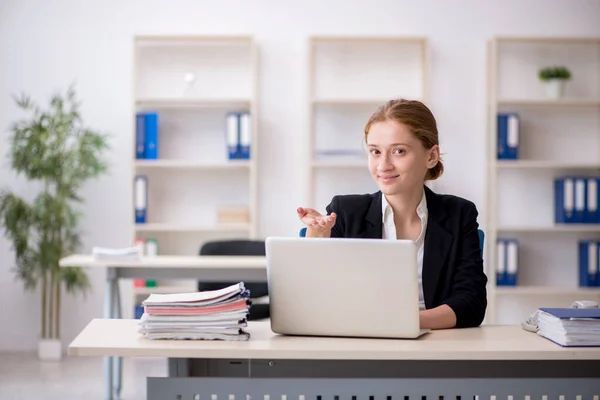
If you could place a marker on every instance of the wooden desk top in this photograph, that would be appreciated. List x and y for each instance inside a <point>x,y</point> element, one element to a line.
<point>233,262</point>
<point>119,337</point>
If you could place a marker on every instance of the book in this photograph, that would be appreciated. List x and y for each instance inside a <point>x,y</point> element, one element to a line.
<point>570,326</point>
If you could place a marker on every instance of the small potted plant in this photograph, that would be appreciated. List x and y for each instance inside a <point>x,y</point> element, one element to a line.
<point>554,78</point>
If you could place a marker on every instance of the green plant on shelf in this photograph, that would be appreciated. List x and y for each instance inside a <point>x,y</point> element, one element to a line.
<point>548,73</point>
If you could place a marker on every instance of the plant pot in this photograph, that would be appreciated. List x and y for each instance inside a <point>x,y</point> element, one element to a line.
<point>49,350</point>
<point>555,88</point>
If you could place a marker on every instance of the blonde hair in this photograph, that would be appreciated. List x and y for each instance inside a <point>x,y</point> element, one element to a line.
<point>420,121</point>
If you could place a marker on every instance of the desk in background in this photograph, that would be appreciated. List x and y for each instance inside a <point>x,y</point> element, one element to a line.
<point>453,364</point>
<point>202,268</point>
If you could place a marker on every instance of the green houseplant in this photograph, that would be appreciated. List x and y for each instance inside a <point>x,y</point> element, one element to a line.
<point>56,154</point>
<point>554,79</point>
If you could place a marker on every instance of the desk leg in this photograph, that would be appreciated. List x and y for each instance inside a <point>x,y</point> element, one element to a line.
<point>117,361</point>
<point>108,313</point>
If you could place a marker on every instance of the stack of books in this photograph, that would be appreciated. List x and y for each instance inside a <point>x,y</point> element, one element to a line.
<point>207,315</point>
<point>570,326</point>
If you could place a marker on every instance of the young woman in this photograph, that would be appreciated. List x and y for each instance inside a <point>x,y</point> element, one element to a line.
<point>402,140</point>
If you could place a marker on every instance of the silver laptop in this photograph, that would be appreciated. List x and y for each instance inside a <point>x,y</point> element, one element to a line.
<point>343,287</point>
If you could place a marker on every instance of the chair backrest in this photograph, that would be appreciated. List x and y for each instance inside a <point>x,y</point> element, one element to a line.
<point>237,247</point>
<point>479,231</point>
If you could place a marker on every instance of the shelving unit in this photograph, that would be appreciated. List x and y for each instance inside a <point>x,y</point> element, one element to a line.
<point>192,83</point>
<point>349,77</point>
<point>557,137</point>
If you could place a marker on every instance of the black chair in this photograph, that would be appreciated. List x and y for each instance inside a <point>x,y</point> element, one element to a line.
<point>239,248</point>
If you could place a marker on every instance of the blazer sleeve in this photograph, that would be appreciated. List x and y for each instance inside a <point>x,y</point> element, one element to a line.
<point>338,228</point>
<point>469,296</point>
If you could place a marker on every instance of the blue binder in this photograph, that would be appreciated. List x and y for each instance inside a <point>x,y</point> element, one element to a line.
<point>508,136</point>
<point>140,136</point>
<point>151,123</point>
<point>591,214</point>
<point>588,263</point>
<point>564,200</point>
<point>512,261</point>
<point>232,135</point>
<point>140,192</point>
<point>580,200</point>
<point>507,262</point>
<point>245,135</point>
<point>501,263</point>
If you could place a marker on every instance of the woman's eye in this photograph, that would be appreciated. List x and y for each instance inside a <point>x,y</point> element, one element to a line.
<point>399,151</point>
<point>374,151</point>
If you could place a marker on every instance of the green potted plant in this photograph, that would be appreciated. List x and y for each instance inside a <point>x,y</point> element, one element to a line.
<point>554,78</point>
<point>55,154</point>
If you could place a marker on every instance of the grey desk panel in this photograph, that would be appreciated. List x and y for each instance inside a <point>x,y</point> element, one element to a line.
<point>370,388</point>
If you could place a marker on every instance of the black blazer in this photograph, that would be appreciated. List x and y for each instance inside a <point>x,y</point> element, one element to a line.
<point>452,263</point>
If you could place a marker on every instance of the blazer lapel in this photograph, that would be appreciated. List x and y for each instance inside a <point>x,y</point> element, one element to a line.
<point>437,244</point>
<point>374,223</point>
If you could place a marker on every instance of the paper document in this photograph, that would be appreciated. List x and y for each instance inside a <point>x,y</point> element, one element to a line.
<point>210,315</point>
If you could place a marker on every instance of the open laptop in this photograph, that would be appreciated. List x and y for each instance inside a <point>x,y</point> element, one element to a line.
<point>343,287</point>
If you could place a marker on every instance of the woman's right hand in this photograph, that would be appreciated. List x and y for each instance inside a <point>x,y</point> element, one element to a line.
<point>317,225</point>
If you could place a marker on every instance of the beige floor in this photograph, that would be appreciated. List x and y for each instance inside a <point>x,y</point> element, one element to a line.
<point>22,376</point>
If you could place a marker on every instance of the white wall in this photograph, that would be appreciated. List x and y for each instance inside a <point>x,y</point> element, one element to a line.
<point>44,46</point>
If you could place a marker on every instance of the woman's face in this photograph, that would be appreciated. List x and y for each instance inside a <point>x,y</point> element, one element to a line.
<point>397,160</point>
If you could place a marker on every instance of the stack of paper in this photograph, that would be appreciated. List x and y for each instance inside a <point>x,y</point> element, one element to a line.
<point>570,326</point>
<point>209,315</point>
<point>127,254</point>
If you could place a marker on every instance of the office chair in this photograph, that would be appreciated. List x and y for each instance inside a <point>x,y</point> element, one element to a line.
<point>239,248</point>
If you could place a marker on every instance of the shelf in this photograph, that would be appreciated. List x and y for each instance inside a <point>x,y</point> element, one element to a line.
<point>193,103</point>
<point>535,164</point>
<point>575,228</point>
<point>544,290</point>
<point>190,164</point>
<point>340,164</point>
<point>351,102</point>
<point>550,102</point>
<point>166,227</point>
<point>548,39</point>
<point>369,39</point>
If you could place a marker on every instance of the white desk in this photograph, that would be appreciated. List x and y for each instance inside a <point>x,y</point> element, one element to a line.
<point>485,361</point>
<point>202,268</point>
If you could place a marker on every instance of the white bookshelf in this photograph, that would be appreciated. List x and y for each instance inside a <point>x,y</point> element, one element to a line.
<point>193,176</point>
<point>349,77</point>
<point>557,138</point>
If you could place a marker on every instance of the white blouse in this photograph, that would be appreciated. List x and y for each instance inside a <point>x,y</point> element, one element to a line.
<point>389,233</point>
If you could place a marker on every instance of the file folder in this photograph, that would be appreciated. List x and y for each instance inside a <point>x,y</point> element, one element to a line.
<point>151,136</point>
<point>141,198</point>
<point>564,200</point>
<point>501,263</point>
<point>245,135</point>
<point>140,136</point>
<point>512,262</point>
<point>588,263</point>
<point>580,200</point>
<point>591,214</point>
<point>232,135</point>
<point>508,262</point>
<point>570,326</point>
<point>508,136</point>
